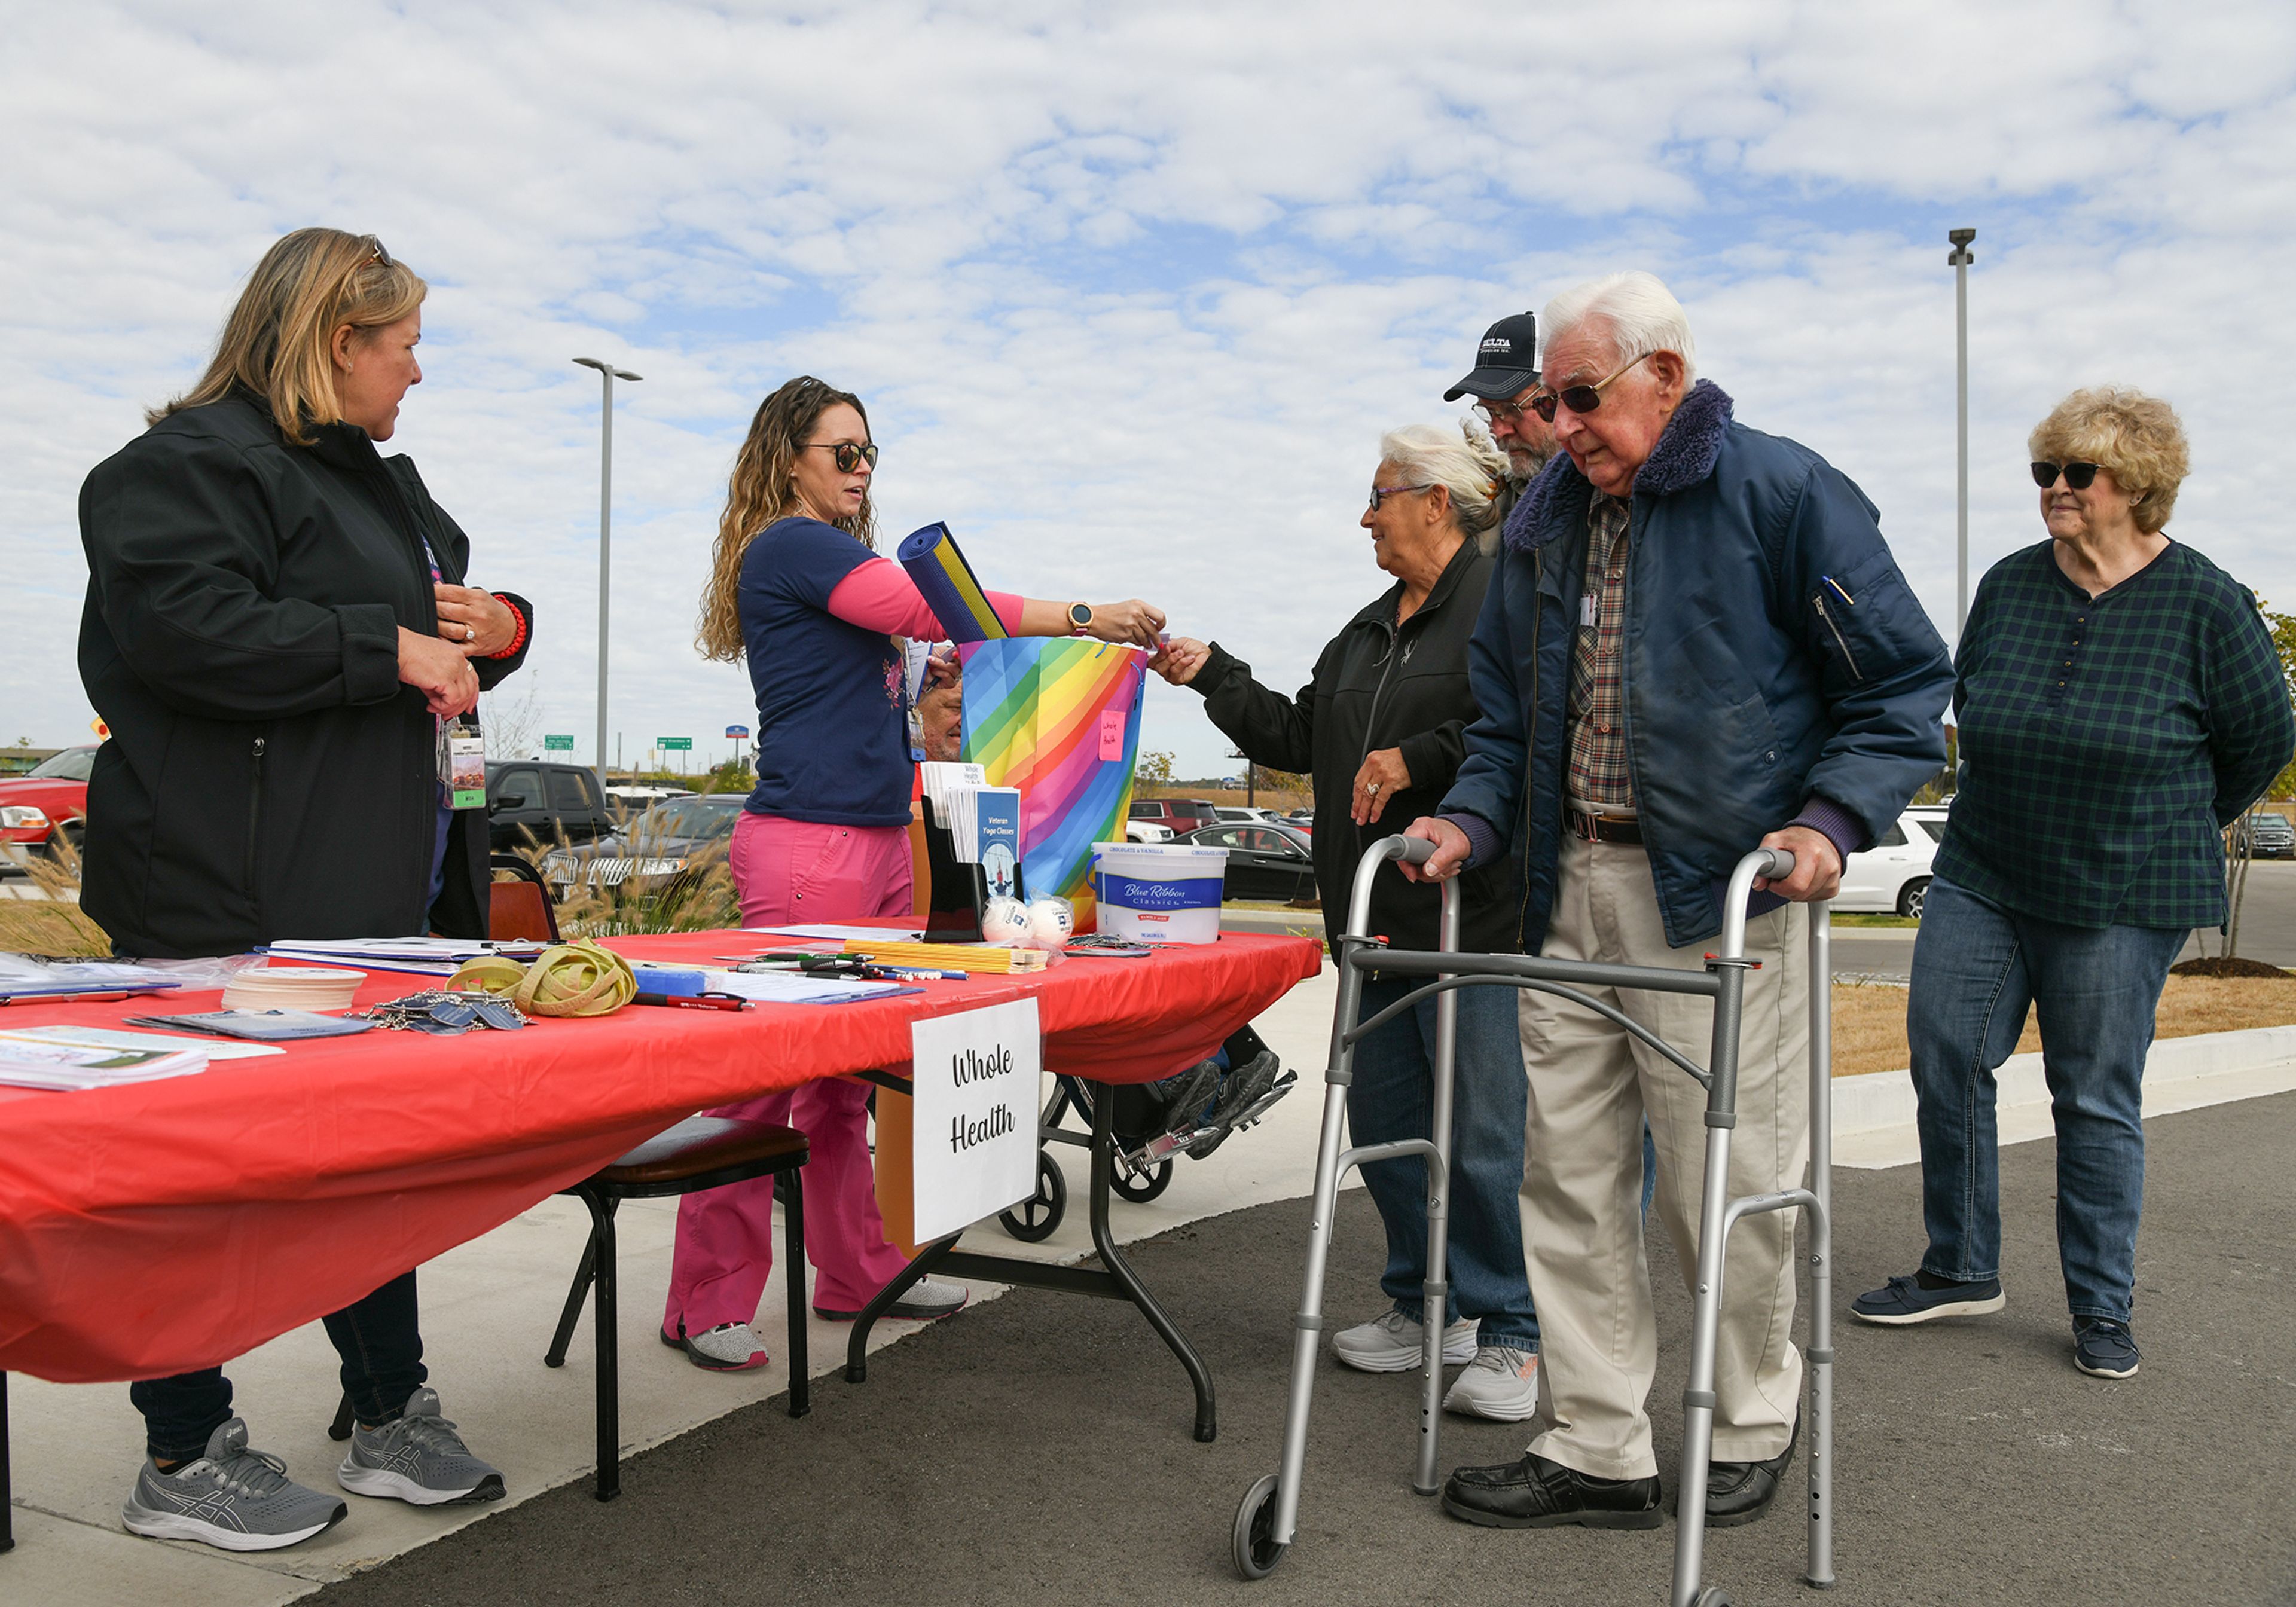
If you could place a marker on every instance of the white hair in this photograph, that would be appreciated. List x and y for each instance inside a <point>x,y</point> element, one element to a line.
<point>1639,312</point>
<point>1464,461</point>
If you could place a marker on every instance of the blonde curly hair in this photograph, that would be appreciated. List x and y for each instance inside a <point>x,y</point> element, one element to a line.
<point>2133,437</point>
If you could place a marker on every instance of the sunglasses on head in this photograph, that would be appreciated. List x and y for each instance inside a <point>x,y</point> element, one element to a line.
<point>376,253</point>
<point>2079,477</point>
<point>848,453</point>
<point>1578,398</point>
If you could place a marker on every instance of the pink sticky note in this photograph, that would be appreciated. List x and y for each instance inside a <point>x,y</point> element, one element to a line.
<point>1111,734</point>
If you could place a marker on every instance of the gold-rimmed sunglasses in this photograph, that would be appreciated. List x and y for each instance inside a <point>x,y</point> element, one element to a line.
<point>1578,398</point>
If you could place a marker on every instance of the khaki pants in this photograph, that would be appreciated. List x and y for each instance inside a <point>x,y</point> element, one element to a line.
<point>1590,1087</point>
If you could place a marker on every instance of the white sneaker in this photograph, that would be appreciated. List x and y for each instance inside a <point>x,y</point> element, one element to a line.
<point>1391,1344</point>
<point>1501,1383</point>
<point>728,1347</point>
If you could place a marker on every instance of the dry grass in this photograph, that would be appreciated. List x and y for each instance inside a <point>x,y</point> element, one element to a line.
<point>1869,1020</point>
<point>51,924</point>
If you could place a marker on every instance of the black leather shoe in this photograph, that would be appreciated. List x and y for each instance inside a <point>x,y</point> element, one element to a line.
<point>1739,1492</point>
<point>1535,1493</point>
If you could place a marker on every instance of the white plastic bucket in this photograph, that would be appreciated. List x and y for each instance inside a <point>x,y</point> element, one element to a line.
<point>1165,892</point>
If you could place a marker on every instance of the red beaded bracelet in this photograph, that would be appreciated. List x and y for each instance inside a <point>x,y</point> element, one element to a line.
<point>517,641</point>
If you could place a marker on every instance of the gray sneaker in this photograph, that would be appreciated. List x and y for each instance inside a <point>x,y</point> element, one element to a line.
<point>924,1300</point>
<point>417,1457</point>
<point>238,1499</point>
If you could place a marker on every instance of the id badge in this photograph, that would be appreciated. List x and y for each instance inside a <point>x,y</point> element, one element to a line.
<point>463,765</point>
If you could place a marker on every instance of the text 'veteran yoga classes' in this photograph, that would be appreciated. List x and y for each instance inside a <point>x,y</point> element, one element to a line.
<point>973,1067</point>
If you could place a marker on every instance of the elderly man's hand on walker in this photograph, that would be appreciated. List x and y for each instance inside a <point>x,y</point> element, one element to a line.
<point>1451,849</point>
<point>1817,865</point>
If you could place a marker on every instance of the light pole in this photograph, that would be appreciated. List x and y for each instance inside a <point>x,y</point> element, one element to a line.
<point>1958,260</point>
<point>608,373</point>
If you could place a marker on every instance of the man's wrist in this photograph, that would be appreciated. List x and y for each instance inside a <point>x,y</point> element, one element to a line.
<point>1482,842</point>
<point>1832,822</point>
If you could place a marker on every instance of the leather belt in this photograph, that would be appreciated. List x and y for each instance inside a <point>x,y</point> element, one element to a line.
<point>1604,828</point>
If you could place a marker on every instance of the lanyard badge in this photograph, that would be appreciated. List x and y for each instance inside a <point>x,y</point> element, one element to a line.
<point>463,765</point>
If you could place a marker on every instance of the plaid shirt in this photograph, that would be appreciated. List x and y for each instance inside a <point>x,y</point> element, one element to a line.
<point>2105,742</point>
<point>1599,772</point>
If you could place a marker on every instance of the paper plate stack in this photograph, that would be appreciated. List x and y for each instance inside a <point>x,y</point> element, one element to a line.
<point>292,987</point>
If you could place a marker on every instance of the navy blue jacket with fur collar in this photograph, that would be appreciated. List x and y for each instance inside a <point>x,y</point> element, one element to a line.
<point>1772,652</point>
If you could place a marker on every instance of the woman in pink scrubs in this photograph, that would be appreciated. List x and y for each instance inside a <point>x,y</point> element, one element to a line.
<point>797,591</point>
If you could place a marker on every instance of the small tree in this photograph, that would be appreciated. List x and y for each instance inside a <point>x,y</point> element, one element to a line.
<point>1154,769</point>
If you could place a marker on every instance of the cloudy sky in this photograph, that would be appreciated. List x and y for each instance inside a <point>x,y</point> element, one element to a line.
<point>1131,291</point>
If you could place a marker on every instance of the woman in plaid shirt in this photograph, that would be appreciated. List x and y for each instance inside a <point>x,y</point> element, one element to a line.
<point>2120,703</point>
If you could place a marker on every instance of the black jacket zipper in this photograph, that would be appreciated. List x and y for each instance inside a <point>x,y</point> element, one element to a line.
<point>255,825</point>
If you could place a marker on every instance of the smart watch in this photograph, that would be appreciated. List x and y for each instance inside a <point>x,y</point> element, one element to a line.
<point>1080,617</point>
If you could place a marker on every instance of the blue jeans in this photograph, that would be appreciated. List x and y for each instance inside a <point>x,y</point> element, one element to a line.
<point>378,1338</point>
<point>1392,1097</point>
<point>1977,968</point>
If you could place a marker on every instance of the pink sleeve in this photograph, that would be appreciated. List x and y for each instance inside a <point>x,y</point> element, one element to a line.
<point>879,596</point>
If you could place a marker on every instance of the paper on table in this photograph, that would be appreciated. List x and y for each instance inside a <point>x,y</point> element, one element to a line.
<point>114,1038</point>
<point>793,988</point>
<point>839,934</point>
<point>65,1067</point>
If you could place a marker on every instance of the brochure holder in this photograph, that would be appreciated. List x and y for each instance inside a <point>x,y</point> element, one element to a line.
<point>957,892</point>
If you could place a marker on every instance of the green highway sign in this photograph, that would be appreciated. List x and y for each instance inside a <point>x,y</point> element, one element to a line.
<point>673,742</point>
<point>558,744</point>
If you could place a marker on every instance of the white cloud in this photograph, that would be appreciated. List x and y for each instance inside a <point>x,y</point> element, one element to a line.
<point>1130,292</point>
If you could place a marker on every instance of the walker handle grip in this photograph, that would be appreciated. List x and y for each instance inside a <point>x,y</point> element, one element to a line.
<point>1781,864</point>
<point>1411,851</point>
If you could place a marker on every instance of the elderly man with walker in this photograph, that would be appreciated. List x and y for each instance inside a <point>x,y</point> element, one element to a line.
<point>1695,643</point>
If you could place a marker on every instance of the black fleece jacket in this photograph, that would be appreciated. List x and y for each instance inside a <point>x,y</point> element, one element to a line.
<point>1374,687</point>
<point>267,775</point>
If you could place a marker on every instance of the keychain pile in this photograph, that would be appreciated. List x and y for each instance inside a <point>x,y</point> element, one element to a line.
<point>446,1011</point>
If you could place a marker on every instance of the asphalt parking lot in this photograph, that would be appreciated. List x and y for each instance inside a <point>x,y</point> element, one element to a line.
<point>2268,928</point>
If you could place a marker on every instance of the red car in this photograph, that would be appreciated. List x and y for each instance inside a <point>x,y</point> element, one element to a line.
<point>49,805</point>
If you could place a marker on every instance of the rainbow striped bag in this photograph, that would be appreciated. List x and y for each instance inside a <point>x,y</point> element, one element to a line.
<point>1058,717</point>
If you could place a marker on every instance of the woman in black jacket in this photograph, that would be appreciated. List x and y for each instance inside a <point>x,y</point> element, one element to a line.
<point>276,631</point>
<point>1381,729</point>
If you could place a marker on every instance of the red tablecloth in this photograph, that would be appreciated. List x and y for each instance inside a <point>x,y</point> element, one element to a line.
<point>172,1225</point>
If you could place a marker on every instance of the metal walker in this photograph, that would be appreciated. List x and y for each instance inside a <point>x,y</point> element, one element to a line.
<point>1268,1518</point>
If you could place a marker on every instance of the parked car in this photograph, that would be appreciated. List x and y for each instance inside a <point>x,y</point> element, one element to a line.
<point>1892,876</point>
<point>44,810</point>
<point>1146,831</point>
<point>531,802</point>
<point>635,800</point>
<point>1181,814</point>
<point>656,845</point>
<point>1930,817</point>
<point>2271,836</point>
<point>1263,861</point>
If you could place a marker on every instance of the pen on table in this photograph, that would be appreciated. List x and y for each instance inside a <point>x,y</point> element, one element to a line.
<point>917,973</point>
<point>691,1001</point>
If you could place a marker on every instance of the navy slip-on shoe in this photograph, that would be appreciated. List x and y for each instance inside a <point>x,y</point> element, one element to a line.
<point>1903,1301</point>
<point>2104,1348</point>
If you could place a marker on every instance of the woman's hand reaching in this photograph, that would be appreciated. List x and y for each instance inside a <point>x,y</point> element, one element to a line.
<point>1133,622</point>
<point>1180,660</point>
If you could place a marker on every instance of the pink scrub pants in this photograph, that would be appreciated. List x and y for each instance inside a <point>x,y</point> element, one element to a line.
<point>799,872</point>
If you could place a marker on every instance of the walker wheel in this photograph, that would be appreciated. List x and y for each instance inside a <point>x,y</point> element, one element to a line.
<point>1144,1186</point>
<point>1038,1216</point>
<point>1257,1554</point>
<point>1711,1596</point>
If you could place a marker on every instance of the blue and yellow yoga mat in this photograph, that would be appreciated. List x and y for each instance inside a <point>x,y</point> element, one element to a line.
<point>949,586</point>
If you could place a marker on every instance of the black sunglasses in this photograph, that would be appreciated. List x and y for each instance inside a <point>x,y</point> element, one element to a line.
<point>848,453</point>
<point>1578,398</point>
<point>378,254</point>
<point>2078,476</point>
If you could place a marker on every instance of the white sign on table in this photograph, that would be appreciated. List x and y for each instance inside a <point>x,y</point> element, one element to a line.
<point>973,1136</point>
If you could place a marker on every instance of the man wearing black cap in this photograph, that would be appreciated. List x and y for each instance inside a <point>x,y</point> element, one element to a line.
<point>1505,380</point>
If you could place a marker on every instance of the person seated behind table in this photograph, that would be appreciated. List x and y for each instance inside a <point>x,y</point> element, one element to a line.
<point>797,591</point>
<point>1380,726</point>
<point>249,571</point>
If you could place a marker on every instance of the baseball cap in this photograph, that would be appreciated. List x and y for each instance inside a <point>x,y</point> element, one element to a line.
<point>1506,361</point>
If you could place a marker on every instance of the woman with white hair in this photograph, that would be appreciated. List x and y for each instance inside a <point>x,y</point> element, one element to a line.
<point>1381,729</point>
